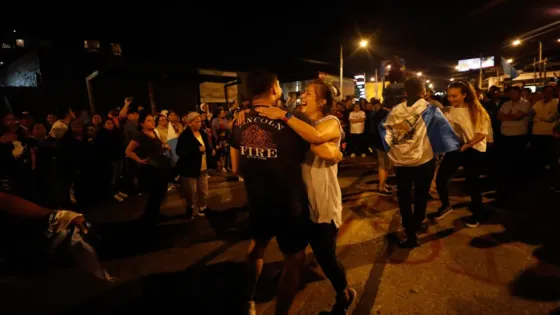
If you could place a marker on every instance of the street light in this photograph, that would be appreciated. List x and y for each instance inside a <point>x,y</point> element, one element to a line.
<point>388,67</point>
<point>452,79</point>
<point>419,74</point>
<point>431,86</point>
<point>517,42</point>
<point>363,44</point>
<point>427,81</point>
<point>509,60</point>
<point>372,79</point>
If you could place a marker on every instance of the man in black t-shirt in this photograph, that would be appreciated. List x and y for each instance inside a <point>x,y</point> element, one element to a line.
<point>268,154</point>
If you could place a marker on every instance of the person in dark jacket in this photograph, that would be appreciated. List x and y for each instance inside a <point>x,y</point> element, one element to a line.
<point>193,149</point>
<point>110,150</point>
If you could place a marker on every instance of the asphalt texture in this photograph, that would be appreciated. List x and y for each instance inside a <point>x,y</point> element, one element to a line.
<point>509,265</point>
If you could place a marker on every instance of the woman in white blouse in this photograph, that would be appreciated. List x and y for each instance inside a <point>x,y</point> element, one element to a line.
<point>472,124</point>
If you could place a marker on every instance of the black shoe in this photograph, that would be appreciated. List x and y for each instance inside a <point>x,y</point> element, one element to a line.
<point>409,243</point>
<point>189,213</point>
<point>472,222</point>
<point>443,212</point>
<point>423,228</point>
<point>341,307</point>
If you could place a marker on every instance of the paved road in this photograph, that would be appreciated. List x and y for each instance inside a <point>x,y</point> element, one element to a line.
<point>508,266</point>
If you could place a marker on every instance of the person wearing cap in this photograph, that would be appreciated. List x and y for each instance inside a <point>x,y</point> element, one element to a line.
<point>193,149</point>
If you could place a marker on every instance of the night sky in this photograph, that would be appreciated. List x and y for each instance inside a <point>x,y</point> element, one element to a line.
<point>430,35</point>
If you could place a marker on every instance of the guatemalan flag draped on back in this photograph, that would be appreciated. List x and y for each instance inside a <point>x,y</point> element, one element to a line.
<point>413,135</point>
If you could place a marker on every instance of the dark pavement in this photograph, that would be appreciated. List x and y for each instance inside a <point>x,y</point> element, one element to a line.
<point>509,265</point>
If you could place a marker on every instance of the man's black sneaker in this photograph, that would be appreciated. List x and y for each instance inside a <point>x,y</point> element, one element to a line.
<point>409,243</point>
<point>472,222</point>
<point>342,307</point>
<point>443,212</point>
<point>189,213</point>
<point>423,228</point>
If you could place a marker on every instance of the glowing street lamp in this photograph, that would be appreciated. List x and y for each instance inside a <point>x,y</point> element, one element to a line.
<point>419,74</point>
<point>451,79</point>
<point>363,44</point>
<point>431,85</point>
<point>509,60</point>
<point>516,42</point>
<point>427,81</point>
<point>372,79</point>
<point>456,67</point>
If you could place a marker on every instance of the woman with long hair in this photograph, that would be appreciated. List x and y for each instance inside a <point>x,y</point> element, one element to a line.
<point>320,172</point>
<point>149,152</point>
<point>472,124</point>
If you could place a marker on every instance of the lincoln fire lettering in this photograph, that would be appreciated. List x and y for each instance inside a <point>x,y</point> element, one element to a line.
<point>256,143</point>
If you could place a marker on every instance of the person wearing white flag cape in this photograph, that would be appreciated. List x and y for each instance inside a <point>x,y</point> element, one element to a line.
<point>412,134</point>
<point>167,134</point>
<point>172,138</point>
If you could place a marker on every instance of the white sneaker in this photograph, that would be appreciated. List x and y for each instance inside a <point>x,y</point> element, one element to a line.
<point>118,198</point>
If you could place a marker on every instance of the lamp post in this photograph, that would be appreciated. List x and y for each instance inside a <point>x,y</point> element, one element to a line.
<point>363,44</point>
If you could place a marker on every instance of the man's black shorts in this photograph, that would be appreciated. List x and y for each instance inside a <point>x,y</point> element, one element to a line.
<point>290,231</point>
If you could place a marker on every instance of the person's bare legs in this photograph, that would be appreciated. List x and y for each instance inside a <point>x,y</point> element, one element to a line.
<point>255,262</point>
<point>289,282</point>
<point>383,174</point>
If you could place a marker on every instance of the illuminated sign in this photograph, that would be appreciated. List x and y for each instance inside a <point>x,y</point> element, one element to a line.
<point>474,63</point>
<point>361,85</point>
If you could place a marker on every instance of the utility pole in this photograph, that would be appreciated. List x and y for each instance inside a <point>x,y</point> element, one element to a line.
<point>341,73</point>
<point>480,73</point>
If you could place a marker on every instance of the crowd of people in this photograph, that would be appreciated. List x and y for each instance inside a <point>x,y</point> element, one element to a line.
<point>287,160</point>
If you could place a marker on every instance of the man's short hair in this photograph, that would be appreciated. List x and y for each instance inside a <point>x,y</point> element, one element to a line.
<point>515,88</point>
<point>414,87</point>
<point>259,82</point>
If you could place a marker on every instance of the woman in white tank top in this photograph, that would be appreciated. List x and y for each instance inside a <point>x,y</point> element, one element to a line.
<point>320,172</point>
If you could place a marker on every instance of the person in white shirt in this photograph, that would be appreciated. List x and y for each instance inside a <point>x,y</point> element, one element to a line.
<point>514,115</point>
<point>356,142</point>
<point>545,113</point>
<point>471,123</point>
<point>60,127</point>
